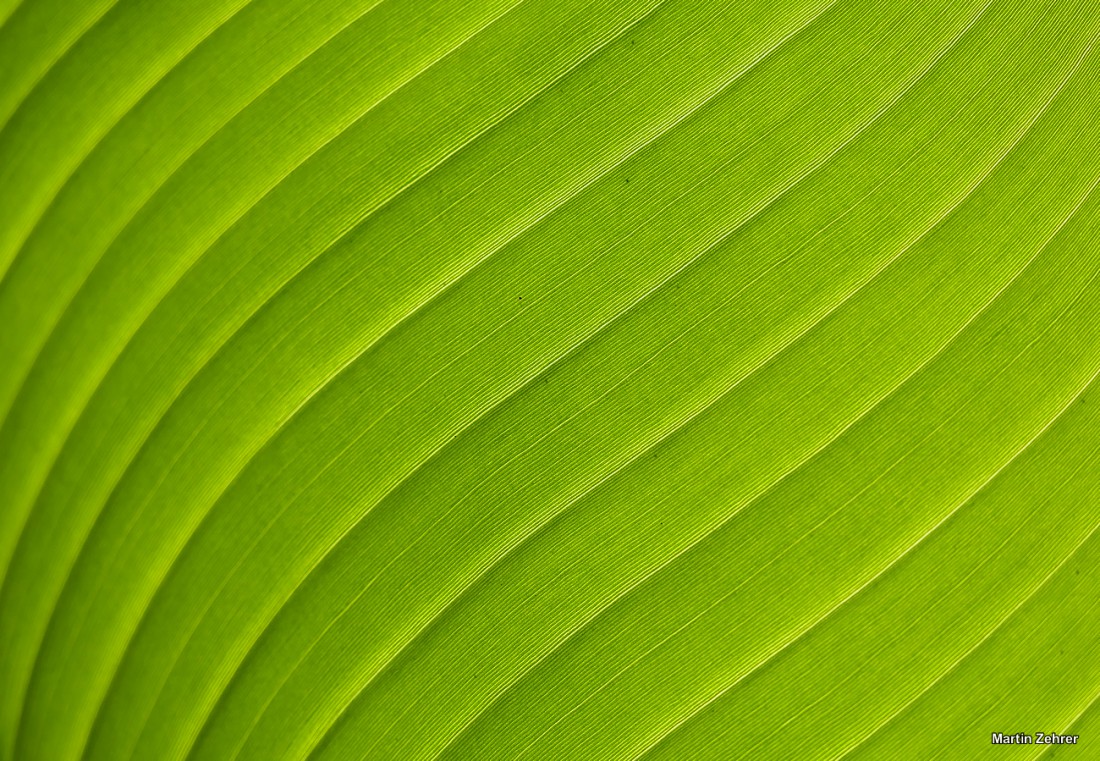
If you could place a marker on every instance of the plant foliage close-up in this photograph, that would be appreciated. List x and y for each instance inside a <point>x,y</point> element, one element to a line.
<point>435,380</point>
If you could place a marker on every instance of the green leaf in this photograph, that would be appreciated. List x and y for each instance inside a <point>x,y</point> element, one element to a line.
<point>547,379</point>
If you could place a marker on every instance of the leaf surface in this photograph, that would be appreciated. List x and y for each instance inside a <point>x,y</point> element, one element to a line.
<point>551,379</point>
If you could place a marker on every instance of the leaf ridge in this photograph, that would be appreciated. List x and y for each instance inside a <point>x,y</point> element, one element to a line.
<point>19,245</point>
